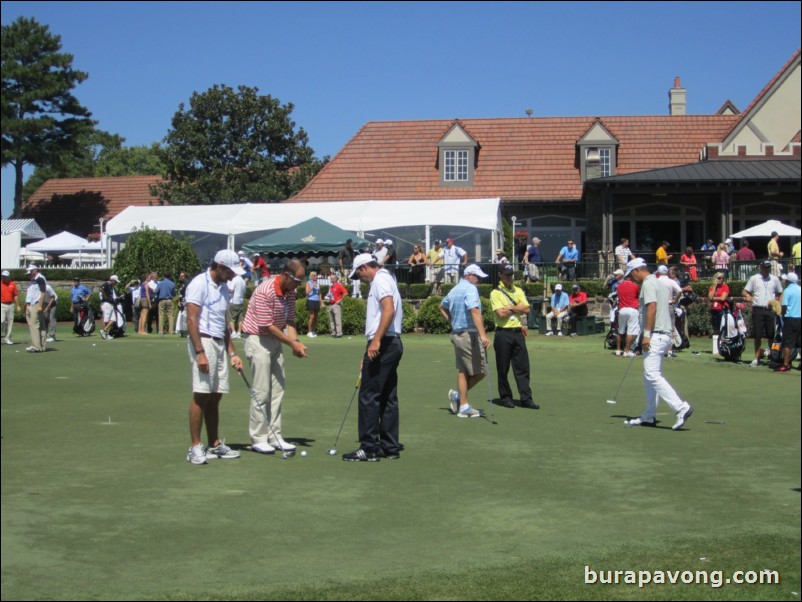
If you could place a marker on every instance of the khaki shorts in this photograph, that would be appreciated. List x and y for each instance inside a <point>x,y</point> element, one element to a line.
<point>216,381</point>
<point>468,351</point>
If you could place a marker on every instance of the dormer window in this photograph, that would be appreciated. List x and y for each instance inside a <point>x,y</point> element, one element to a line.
<point>456,158</point>
<point>597,153</point>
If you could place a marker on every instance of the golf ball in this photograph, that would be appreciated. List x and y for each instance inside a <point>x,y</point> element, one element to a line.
<point>303,454</point>
<point>332,452</point>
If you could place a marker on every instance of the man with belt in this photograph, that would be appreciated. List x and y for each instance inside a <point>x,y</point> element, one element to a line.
<point>657,324</point>
<point>509,306</point>
<point>378,393</point>
<point>761,289</point>
<point>463,309</point>
<point>209,340</point>
<point>34,310</point>
<point>270,323</point>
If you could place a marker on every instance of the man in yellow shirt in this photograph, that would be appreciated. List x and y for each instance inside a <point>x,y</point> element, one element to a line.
<point>775,254</point>
<point>510,307</point>
<point>796,260</point>
<point>662,255</point>
<point>436,263</point>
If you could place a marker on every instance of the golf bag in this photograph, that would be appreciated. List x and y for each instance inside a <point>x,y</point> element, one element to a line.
<point>118,321</point>
<point>732,336</point>
<point>776,353</point>
<point>681,341</point>
<point>86,320</point>
<point>611,340</point>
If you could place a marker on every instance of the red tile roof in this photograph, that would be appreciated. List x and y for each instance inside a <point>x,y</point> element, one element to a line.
<point>77,204</point>
<point>519,159</point>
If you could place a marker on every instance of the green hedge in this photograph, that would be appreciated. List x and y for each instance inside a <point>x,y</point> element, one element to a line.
<point>433,322</point>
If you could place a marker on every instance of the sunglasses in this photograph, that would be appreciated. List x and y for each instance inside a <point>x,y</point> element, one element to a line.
<point>293,277</point>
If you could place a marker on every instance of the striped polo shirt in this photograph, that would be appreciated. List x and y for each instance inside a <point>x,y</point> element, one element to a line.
<point>269,306</point>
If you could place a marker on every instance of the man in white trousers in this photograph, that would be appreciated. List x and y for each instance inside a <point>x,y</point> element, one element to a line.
<point>656,324</point>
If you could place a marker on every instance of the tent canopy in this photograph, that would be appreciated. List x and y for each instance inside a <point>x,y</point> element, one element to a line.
<point>63,242</point>
<point>766,228</point>
<point>311,237</point>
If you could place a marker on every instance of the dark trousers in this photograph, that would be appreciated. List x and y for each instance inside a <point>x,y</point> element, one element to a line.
<point>378,398</point>
<point>510,348</point>
<point>574,315</point>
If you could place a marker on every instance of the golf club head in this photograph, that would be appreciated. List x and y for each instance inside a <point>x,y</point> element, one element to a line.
<point>288,454</point>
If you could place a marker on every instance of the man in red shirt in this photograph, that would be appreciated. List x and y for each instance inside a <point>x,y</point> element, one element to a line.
<point>10,299</point>
<point>337,292</point>
<point>628,317</point>
<point>260,270</point>
<point>577,307</point>
<point>269,323</point>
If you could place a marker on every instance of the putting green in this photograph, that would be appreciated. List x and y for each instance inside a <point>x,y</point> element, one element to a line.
<point>98,501</point>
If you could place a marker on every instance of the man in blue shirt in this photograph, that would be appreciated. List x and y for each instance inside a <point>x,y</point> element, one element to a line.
<point>559,310</point>
<point>463,309</point>
<point>79,295</point>
<point>567,260</point>
<point>792,320</point>
<point>165,293</point>
<point>532,260</point>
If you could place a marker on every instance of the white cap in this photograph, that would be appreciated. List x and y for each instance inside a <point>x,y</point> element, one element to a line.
<point>359,261</point>
<point>559,287</point>
<point>5,273</point>
<point>790,277</point>
<point>663,269</point>
<point>115,278</point>
<point>618,272</point>
<point>475,270</point>
<point>388,242</point>
<point>635,264</point>
<point>31,268</point>
<point>379,241</point>
<point>240,253</point>
<point>728,240</point>
<point>230,260</point>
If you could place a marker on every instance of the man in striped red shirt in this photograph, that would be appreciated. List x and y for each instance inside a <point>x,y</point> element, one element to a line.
<point>269,323</point>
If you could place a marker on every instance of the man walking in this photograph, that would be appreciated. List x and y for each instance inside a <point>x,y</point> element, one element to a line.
<point>378,393</point>
<point>656,324</point>
<point>463,309</point>
<point>436,262</point>
<point>270,323</point>
<point>108,306</point>
<point>510,306</point>
<point>10,303</point>
<point>345,259</point>
<point>209,340</point>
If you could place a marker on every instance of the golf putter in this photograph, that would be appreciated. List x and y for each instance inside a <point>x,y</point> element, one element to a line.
<point>489,391</point>
<point>284,454</point>
<point>333,450</point>
<point>614,400</point>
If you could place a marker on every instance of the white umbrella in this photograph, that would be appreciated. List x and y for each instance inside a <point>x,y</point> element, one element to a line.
<point>765,229</point>
<point>26,255</point>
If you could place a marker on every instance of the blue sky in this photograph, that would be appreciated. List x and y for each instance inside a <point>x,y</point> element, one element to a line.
<point>344,64</point>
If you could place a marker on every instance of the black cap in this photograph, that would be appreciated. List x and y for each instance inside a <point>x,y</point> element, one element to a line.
<point>508,270</point>
<point>766,263</point>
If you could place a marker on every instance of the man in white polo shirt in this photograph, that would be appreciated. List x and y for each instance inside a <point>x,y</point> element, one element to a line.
<point>657,324</point>
<point>378,393</point>
<point>209,339</point>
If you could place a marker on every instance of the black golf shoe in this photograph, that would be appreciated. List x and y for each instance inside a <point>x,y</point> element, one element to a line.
<point>530,404</point>
<point>360,455</point>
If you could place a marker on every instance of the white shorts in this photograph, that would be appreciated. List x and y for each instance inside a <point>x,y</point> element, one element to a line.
<point>108,311</point>
<point>629,321</point>
<point>216,380</point>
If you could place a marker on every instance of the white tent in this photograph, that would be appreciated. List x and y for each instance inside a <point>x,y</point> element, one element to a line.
<point>766,228</point>
<point>240,223</point>
<point>14,231</point>
<point>63,242</point>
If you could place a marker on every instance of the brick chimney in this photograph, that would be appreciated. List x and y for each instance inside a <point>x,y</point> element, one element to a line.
<point>676,99</point>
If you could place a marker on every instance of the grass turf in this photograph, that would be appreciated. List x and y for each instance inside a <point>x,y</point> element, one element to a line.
<point>98,501</point>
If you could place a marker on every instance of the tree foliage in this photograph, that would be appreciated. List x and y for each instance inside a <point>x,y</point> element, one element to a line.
<point>42,122</point>
<point>149,250</point>
<point>233,146</point>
